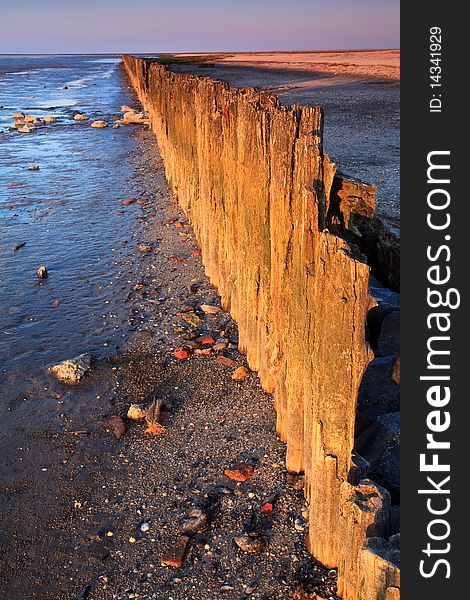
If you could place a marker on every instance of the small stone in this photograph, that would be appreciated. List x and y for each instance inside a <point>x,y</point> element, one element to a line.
<point>240,373</point>
<point>118,426</point>
<point>42,272</point>
<point>145,248</point>
<point>181,353</point>
<point>25,129</point>
<point>99,124</point>
<point>132,540</point>
<point>50,119</point>
<point>176,554</point>
<point>204,351</point>
<point>137,412</point>
<point>72,370</point>
<point>250,543</point>
<point>80,117</point>
<point>145,527</point>
<point>209,309</point>
<point>109,534</point>
<point>267,508</point>
<point>220,344</point>
<point>192,319</point>
<point>33,168</point>
<point>197,522</point>
<point>299,525</point>
<point>251,587</point>
<point>243,473</point>
<point>223,360</point>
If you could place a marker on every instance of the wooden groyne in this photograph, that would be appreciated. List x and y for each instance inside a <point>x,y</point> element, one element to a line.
<point>267,209</point>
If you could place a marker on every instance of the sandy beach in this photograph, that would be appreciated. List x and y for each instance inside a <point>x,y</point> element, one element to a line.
<point>368,63</point>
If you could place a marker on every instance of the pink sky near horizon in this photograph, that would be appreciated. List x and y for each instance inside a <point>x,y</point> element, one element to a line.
<point>53,26</point>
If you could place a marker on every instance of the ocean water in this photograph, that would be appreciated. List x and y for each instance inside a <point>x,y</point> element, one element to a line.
<point>67,213</point>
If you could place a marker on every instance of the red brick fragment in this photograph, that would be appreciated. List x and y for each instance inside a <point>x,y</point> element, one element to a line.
<point>224,360</point>
<point>181,353</point>
<point>205,340</point>
<point>243,473</point>
<point>176,554</point>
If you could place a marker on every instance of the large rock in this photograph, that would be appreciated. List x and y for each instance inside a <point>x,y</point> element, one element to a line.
<point>389,339</point>
<point>380,446</point>
<point>133,117</point>
<point>386,301</point>
<point>72,370</point>
<point>379,392</point>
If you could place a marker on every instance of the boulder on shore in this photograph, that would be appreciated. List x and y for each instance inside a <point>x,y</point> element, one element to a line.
<point>131,117</point>
<point>72,370</point>
<point>26,129</point>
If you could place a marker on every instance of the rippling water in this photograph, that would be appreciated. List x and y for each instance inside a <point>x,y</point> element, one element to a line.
<point>67,212</point>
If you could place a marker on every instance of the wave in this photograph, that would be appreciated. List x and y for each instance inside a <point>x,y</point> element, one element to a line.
<point>85,81</point>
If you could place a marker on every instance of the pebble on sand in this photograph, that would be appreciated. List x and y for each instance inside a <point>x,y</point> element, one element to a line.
<point>205,340</point>
<point>240,373</point>
<point>197,522</point>
<point>181,353</point>
<point>224,360</point>
<point>250,543</point>
<point>72,370</point>
<point>241,473</point>
<point>176,554</point>
<point>209,309</point>
<point>137,412</point>
<point>118,426</point>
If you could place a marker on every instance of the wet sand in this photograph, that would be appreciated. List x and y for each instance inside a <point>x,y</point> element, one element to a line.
<point>67,483</point>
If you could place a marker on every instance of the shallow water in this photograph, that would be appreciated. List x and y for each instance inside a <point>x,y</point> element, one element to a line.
<point>67,213</point>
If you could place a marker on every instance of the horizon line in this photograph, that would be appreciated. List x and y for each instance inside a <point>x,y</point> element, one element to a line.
<point>119,53</point>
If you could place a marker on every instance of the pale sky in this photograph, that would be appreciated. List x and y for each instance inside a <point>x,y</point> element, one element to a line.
<point>62,26</point>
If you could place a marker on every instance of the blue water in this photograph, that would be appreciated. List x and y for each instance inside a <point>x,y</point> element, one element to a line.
<point>67,212</point>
